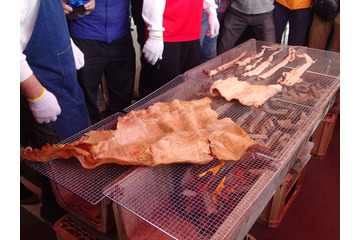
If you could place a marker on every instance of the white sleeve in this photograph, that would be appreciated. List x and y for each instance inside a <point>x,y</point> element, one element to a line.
<point>210,5</point>
<point>152,13</point>
<point>25,70</point>
<point>78,56</point>
<point>28,13</point>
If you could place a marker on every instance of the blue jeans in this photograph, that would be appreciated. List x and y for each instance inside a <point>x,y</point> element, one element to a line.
<point>208,45</point>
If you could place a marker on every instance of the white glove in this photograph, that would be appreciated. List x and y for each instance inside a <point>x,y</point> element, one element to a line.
<point>45,108</point>
<point>153,47</point>
<point>213,23</point>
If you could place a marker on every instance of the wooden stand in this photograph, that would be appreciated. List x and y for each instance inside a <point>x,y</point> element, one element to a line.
<point>285,195</point>
<point>99,216</point>
<point>67,230</point>
<point>276,209</point>
<point>322,135</point>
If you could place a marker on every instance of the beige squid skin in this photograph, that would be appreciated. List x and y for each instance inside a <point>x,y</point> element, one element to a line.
<point>165,133</point>
<point>246,93</point>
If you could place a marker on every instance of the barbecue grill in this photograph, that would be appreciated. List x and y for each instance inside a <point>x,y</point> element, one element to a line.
<point>219,200</point>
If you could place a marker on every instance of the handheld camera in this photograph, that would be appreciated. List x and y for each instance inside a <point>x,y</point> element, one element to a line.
<point>77,3</point>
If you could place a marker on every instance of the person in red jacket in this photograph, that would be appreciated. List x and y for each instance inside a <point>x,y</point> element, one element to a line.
<point>173,29</point>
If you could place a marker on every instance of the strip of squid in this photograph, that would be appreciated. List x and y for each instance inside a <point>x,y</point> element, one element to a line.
<point>252,66</point>
<point>292,77</point>
<point>262,66</point>
<point>289,58</point>
<point>248,60</point>
<point>214,71</point>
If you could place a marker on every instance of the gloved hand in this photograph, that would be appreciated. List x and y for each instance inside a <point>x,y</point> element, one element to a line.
<point>153,47</point>
<point>213,23</point>
<point>45,108</point>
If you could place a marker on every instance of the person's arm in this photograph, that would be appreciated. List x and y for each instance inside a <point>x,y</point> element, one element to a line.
<point>42,103</point>
<point>152,13</point>
<point>210,9</point>
<point>31,88</point>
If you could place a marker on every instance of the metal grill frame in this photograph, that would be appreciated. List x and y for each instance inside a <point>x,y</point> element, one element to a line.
<point>192,85</point>
<point>200,83</point>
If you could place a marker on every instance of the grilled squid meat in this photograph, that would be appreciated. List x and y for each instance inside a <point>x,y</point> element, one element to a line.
<point>293,77</point>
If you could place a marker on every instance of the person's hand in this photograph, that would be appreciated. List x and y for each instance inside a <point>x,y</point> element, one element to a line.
<point>153,47</point>
<point>45,108</point>
<point>90,6</point>
<point>213,23</point>
<point>67,8</point>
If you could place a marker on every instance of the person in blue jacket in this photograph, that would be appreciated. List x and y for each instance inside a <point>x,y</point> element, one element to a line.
<point>104,36</point>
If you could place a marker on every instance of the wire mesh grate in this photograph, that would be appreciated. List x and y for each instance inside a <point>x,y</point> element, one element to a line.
<point>179,199</point>
<point>276,125</point>
<point>189,201</point>
<point>318,81</point>
<point>86,183</point>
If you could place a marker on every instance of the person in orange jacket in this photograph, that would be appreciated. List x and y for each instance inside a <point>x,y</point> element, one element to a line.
<point>298,13</point>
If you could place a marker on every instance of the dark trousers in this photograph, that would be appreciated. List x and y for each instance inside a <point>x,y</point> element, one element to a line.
<point>117,61</point>
<point>298,24</point>
<point>178,57</point>
<point>235,24</point>
<point>136,10</point>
